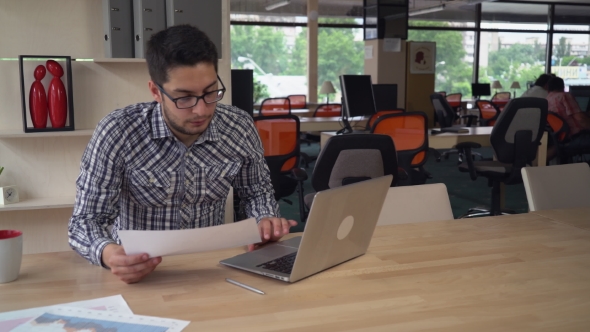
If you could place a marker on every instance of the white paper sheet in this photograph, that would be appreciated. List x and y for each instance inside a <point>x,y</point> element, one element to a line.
<point>114,304</point>
<point>187,241</point>
<point>62,318</point>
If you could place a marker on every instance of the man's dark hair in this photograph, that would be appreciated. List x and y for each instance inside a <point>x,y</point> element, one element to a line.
<point>542,80</point>
<point>556,84</point>
<point>179,45</point>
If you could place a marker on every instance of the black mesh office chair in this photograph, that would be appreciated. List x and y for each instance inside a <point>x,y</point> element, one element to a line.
<point>347,159</point>
<point>515,139</point>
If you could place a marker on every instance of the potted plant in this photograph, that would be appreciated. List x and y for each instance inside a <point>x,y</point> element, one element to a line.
<point>8,194</point>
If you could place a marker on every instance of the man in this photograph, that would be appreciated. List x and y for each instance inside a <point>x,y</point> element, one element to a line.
<point>169,164</point>
<point>565,105</point>
<point>538,90</point>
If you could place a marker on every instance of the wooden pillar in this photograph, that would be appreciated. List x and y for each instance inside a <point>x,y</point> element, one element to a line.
<point>312,51</point>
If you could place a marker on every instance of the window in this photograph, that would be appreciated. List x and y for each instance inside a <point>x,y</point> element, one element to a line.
<point>570,59</point>
<point>511,57</point>
<point>454,63</point>
<point>274,53</point>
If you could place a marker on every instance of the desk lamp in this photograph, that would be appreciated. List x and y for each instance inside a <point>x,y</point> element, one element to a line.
<point>515,85</point>
<point>326,89</point>
<point>496,85</point>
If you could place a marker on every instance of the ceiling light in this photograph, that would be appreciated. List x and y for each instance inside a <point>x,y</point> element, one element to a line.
<point>426,10</point>
<point>277,4</point>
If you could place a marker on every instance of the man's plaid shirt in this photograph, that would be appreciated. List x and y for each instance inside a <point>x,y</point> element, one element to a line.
<point>136,175</point>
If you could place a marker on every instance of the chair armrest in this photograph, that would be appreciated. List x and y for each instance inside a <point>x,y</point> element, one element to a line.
<point>299,174</point>
<point>470,118</point>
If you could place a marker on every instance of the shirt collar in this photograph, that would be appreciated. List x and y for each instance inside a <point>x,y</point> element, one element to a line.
<point>160,128</point>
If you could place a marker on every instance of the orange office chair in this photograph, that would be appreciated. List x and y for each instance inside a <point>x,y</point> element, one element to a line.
<point>409,131</point>
<point>275,106</point>
<point>454,100</point>
<point>280,138</point>
<point>379,114</point>
<point>298,101</point>
<point>500,99</point>
<point>559,137</point>
<point>328,110</point>
<point>488,112</point>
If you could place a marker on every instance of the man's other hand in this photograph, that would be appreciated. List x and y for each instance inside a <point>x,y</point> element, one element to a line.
<point>129,268</point>
<point>272,229</point>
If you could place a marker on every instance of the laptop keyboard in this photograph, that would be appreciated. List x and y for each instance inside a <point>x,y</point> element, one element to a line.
<point>282,264</point>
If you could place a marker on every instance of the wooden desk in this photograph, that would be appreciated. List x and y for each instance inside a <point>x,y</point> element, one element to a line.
<point>523,272</point>
<point>479,135</point>
<point>328,123</point>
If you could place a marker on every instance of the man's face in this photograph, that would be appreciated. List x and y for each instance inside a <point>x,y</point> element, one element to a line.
<point>187,124</point>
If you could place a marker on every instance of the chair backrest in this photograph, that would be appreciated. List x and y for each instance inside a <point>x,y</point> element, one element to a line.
<point>280,139</point>
<point>559,127</point>
<point>445,115</point>
<point>346,159</point>
<point>454,99</point>
<point>409,131</point>
<point>501,96</point>
<point>516,135</point>
<point>442,93</point>
<point>376,116</point>
<point>328,110</point>
<point>275,106</point>
<point>419,203</point>
<point>298,101</point>
<point>557,186</point>
<point>488,112</point>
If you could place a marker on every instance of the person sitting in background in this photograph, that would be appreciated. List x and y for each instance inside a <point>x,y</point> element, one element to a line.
<point>564,104</point>
<point>539,90</point>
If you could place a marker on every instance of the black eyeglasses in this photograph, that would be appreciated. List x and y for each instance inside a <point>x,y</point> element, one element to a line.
<point>190,101</point>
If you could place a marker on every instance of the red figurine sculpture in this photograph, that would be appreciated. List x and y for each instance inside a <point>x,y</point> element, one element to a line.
<point>58,105</point>
<point>38,99</point>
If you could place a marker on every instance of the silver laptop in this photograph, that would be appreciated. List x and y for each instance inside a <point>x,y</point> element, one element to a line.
<point>339,228</point>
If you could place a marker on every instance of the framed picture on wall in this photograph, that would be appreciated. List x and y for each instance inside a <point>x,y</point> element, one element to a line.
<point>422,57</point>
<point>46,93</point>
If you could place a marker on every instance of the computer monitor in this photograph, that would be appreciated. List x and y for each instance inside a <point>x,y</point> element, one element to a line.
<point>385,96</point>
<point>357,94</point>
<point>480,89</point>
<point>357,98</point>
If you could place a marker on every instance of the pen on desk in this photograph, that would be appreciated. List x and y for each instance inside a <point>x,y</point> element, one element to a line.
<point>250,288</point>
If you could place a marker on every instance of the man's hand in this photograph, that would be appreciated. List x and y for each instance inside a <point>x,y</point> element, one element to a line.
<point>130,269</point>
<point>272,229</point>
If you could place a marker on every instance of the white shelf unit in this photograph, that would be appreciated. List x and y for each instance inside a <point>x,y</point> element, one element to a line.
<point>40,203</point>
<point>119,60</point>
<point>21,134</point>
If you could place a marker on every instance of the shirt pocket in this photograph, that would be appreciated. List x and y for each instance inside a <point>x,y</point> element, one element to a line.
<point>153,188</point>
<point>219,179</point>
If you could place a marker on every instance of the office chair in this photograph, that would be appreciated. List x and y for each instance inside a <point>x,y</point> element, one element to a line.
<point>500,99</point>
<point>442,93</point>
<point>409,131</point>
<point>376,116</point>
<point>447,117</point>
<point>347,159</point>
<point>454,100</point>
<point>280,138</point>
<point>298,101</point>
<point>323,110</point>
<point>515,139</point>
<point>275,106</point>
<point>559,137</point>
<point>488,112</point>
<point>557,186</point>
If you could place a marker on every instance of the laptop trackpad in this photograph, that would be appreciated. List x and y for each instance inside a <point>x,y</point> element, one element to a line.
<point>279,249</point>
